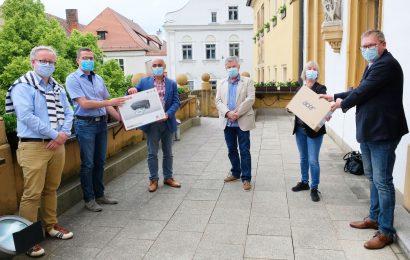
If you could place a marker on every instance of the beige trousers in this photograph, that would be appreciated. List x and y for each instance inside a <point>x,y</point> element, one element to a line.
<point>42,170</point>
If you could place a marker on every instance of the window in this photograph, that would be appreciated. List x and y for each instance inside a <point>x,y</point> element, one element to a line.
<point>234,49</point>
<point>210,51</point>
<point>101,35</point>
<point>187,52</point>
<point>233,13</point>
<point>190,85</point>
<point>285,73</point>
<point>213,17</point>
<point>213,84</point>
<point>121,63</point>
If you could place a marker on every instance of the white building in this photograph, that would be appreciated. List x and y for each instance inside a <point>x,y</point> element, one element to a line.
<point>394,21</point>
<point>202,34</point>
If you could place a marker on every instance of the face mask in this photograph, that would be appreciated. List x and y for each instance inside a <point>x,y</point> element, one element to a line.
<point>158,71</point>
<point>233,72</point>
<point>370,54</point>
<point>311,74</point>
<point>45,70</point>
<point>87,65</point>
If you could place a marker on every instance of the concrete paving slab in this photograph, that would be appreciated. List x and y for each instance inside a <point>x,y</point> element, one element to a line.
<point>209,219</point>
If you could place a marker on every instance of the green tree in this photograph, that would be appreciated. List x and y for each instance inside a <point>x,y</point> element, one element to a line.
<point>114,78</point>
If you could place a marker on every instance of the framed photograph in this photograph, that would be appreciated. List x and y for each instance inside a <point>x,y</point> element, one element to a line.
<point>143,108</point>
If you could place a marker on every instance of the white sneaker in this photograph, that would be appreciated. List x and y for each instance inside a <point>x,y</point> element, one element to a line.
<point>36,251</point>
<point>60,232</point>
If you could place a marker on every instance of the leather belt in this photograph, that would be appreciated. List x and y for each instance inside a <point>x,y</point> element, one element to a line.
<point>34,140</point>
<point>92,118</point>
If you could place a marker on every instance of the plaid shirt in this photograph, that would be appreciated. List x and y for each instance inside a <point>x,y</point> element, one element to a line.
<point>160,86</point>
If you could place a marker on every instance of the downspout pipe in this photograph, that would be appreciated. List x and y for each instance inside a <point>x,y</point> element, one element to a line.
<point>301,37</point>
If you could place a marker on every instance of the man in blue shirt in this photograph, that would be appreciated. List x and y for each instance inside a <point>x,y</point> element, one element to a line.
<point>235,96</point>
<point>44,121</point>
<point>90,98</point>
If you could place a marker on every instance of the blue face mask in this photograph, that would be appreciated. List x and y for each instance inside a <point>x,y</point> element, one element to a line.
<point>87,65</point>
<point>158,71</point>
<point>233,72</point>
<point>311,74</point>
<point>370,54</point>
<point>45,69</point>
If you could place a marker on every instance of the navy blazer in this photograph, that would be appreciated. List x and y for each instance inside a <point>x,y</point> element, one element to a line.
<point>171,100</point>
<point>379,101</point>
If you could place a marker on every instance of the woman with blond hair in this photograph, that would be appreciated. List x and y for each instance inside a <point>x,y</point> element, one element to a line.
<point>309,141</point>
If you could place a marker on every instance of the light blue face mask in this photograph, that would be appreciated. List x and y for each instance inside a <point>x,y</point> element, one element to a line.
<point>158,71</point>
<point>233,72</point>
<point>311,74</point>
<point>45,69</point>
<point>87,65</point>
<point>370,54</point>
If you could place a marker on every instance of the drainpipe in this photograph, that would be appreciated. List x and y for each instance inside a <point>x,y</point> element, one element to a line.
<point>301,37</point>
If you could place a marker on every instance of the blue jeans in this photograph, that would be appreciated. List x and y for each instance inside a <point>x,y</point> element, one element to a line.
<point>378,162</point>
<point>92,138</point>
<point>159,131</point>
<point>309,149</point>
<point>233,136</point>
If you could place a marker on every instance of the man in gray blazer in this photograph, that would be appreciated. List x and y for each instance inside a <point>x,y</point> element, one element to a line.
<point>235,96</point>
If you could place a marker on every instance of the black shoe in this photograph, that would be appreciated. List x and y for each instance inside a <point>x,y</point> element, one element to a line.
<point>301,186</point>
<point>314,194</point>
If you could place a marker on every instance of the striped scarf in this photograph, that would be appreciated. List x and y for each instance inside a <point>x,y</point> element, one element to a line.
<point>54,107</point>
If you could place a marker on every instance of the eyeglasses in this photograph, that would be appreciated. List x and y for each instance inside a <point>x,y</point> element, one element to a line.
<point>46,62</point>
<point>370,46</point>
<point>87,58</point>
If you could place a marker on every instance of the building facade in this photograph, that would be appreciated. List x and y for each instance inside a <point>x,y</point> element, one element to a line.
<point>277,49</point>
<point>202,34</point>
<point>125,41</point>
<point>333,30</point>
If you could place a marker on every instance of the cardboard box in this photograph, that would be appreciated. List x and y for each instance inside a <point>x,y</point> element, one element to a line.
<point>311,109</point>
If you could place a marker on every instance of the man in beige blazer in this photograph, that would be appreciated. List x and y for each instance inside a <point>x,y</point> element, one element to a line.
<point>235,96</point>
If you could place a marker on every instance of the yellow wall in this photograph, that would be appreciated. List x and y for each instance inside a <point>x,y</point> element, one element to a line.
<point>278,48</point>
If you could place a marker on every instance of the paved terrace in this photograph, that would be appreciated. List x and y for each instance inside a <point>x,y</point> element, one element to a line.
<point>207,219</point>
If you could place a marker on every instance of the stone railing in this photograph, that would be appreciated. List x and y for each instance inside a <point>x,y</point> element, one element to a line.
<point>11,175</point>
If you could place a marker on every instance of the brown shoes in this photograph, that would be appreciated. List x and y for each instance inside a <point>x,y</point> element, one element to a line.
<point>247,186</point>
<point>171,182</point>
<point>230,178</point>
<point>366,223</point>
<point>153,185</point>
<point>378,241</point>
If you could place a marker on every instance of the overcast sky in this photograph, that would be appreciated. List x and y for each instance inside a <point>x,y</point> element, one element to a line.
<point>149,14</point>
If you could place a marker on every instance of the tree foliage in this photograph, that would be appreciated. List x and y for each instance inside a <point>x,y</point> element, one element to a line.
<point>114,78</point>
<point>25,26</point>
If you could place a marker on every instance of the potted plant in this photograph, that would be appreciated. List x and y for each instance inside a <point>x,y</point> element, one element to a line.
<point>183,92</point>
<point>274,20</point>
<point>282,11</point>
<point>280,86</point>
<point>267,26</point>
<point>270,86</point>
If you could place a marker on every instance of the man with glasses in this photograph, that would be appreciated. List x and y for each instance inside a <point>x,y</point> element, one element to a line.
<point>90,98</point>
<point>380,124</point>
<point>162,130</point>
<point>44,121</point>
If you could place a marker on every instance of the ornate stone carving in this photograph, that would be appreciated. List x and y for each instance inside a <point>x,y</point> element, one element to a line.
<point>332,28</point>
<point>332,9</point>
